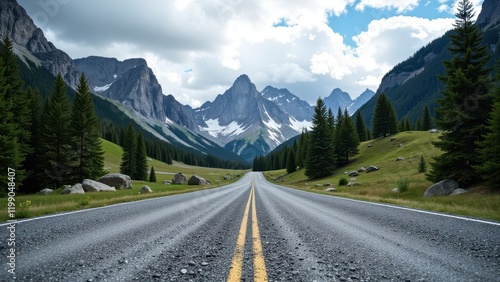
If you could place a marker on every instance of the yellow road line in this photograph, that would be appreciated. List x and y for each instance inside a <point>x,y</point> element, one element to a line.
<point>259,265</point>
<point>237,262</point>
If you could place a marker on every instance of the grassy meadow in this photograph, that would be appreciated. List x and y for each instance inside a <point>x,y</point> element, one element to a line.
<point>378,186</point>
<point>37,205</point>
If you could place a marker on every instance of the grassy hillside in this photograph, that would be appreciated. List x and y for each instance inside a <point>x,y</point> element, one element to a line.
<point>36,205</point>
<point>378,186</point>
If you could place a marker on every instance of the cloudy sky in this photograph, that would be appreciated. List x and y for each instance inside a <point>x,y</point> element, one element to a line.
<point>197,48</point>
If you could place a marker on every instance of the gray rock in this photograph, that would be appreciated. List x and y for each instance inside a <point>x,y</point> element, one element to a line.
<point>433,130</point>
<point>167,182</point>
<point>95,186</point>
<point>372,168</point>
<point>395,190</point>
<point>145,189</point>
<point>227,177</point>
<point>46,191</point>
<point>76,189</point>
<point>353,184</point>
<point>393,138</point>
<point>369,146</point>
<point>400,159</point>
<point>445,187</point>
<point>331,189</point>
<point>362,169</point>
<point>458,191</point>
<point>196,180</point>
<point>117,180</point>
<point>353,174</point>
<point>179,178</point>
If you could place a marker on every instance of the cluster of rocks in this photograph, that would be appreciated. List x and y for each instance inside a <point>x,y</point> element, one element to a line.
<point>108,183</point>
<point>444,188</point>
<point>180,178</point>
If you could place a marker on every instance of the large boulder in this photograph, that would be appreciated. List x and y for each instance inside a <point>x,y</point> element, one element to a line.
<point>76,189</point>
<point>445,187</point>
<point>371,168</point>
<point>95,186</point>
<point>196,180</point>
<point>117,180</point>
<point>179,178</point>
<point>46,191</point>
<point>145,189</point>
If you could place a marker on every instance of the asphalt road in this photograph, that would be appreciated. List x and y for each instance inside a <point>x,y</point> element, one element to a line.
<point>251,231</point>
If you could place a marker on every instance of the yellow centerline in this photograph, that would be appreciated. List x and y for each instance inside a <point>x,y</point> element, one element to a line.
<point>259,265</point>
<point>237,263</point>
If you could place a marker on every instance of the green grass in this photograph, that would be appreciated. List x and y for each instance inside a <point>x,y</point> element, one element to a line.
<point>56,202</point>
<point>378,186</point>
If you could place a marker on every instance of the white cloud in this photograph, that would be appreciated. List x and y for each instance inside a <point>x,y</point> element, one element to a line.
<point>284,43</point>
<point>400,5</point>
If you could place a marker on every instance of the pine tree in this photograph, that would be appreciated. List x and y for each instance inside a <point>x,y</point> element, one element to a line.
<point>347,139</point>
<point>466,102</point>
<point>426,119</point>
<point>55,138</point>
<point>361,127</point>
<point>380,122</point>
<point>141,160</point>
<point>88,154</point>
<point>392,119</point>
<point>489,148</point>
<point>9,148</point>
<point>290,165</point>
<point>32,163</point>
<point>321,156</point>
<point>152,175</point>
<point>422,165</point>
<point>19,106</point>
<point>301,149</point>
<point>128,163</point>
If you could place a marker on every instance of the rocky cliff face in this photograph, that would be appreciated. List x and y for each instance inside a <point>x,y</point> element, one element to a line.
<point>130,82</point>
<point>30,41</point>
<point>296,108</point>
<point>490,14</point>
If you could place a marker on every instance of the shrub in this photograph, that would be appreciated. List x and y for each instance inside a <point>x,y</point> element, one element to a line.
<point>343,182</point>
<point>403,184</point>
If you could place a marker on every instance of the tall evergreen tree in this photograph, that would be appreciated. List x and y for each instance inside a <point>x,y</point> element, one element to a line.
<point>426,119</point>
<point>466,102</point>
<point>19,104</point>
<point>87,148</point>
<point>361,127</point>
<point>9,147</point>
<point>301,154</point>
<point>128,163</point>
<point>290,165</point>
<point>34,170</point>
<point>347,139</point>
<point>321,156</point>
<point>380,122</point>
<point>152,175</point>
<point>55,138</point>
<point>489,148</point>
<point>141,159</point>
<point>392,119</point>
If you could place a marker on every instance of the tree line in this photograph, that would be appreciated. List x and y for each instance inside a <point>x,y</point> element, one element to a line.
<point>50,142</point>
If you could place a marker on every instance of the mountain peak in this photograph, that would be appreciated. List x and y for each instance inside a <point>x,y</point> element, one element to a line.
<point>243,86</point>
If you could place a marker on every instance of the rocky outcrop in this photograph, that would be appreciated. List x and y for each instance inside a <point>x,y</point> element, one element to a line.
<point>95,186</point>
<point>27,38</point>
<point>442,188</point>
<point>196,180</point>
<point>117,180</point>
<point>76,189</point>
<point>393,79</point>
<point>179,178</point>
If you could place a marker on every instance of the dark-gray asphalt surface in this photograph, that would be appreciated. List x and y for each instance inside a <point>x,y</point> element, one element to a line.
<point>305,237</point>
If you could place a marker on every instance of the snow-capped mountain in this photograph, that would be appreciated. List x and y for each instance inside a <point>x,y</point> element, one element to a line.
<point>340,99</point>
<point>246,122</point>
<point>298,109</point>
